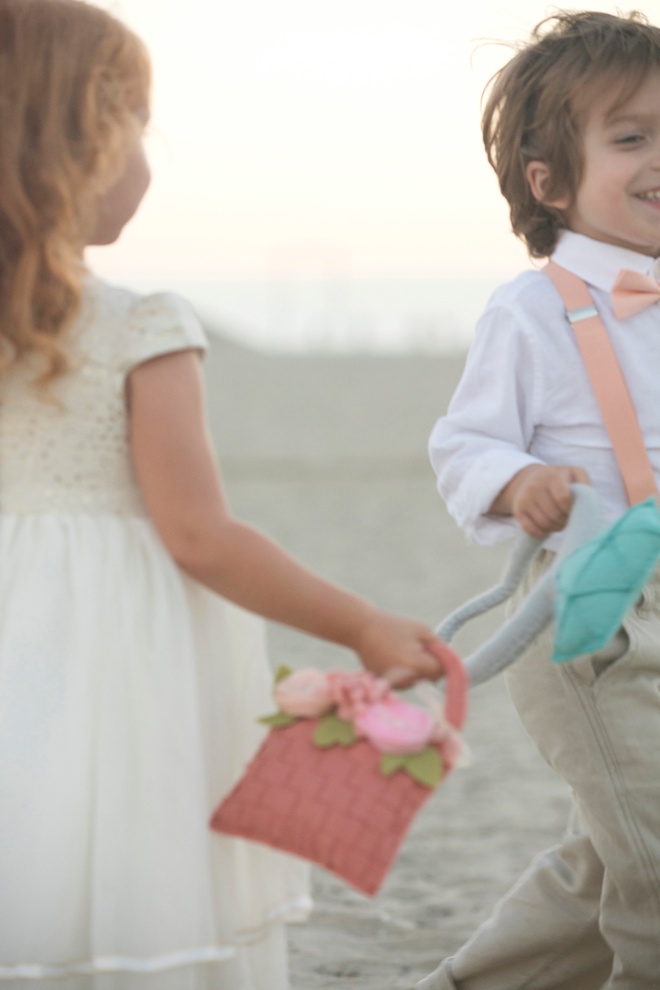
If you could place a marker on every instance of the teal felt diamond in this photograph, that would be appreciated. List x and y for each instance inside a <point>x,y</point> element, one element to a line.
<point>600,581</point>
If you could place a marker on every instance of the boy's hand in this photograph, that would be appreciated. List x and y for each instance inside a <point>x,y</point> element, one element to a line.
<point>540,498</point>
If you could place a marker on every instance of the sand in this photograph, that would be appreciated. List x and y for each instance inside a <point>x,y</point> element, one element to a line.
<point>328,454</point>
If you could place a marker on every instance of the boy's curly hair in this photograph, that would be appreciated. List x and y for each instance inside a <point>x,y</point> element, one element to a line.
<point>74,88</point>
<point>537,102</point>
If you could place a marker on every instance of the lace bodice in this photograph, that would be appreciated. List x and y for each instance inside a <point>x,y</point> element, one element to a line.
<point>72,454</point>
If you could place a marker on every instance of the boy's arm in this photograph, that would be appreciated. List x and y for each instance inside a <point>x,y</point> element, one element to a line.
<point>483,441</point>
<point>481,449</point>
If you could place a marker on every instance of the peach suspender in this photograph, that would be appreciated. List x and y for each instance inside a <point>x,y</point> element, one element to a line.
<point>608,383</point>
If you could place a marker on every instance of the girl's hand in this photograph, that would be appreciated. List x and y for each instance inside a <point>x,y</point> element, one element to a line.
<point>540,498</point>
<point>397,648</point>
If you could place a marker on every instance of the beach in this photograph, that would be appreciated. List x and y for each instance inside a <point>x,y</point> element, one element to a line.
<point>328,455</point>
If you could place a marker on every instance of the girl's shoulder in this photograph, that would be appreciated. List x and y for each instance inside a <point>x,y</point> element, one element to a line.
<point>127,328</point>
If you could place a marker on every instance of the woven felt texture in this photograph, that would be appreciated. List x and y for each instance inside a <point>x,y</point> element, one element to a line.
<point>331,806</point>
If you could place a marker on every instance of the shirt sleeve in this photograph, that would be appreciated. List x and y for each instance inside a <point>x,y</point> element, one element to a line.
<point>161,324</point>
<point>484,439</point>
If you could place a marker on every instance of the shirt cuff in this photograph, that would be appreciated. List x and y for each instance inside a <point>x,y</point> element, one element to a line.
<point>477,491</point>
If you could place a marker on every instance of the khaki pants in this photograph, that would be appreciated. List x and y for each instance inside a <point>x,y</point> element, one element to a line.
<point>586,915</point>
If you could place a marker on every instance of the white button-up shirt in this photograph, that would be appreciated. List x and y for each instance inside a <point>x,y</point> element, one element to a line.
<point>525,397</point>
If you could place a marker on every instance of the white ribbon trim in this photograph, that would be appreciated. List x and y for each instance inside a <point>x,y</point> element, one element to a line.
<point>113,964</point>
<point>293,912</point>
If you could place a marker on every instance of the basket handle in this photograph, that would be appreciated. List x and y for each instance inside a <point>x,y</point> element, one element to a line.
<point>586,520</point>
<point>456,682</point>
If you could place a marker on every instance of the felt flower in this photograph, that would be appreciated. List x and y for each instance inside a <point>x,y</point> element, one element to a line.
<point>353,692</point>
<point>395,726</point>
<point>304,693</point>
<point>452,745</point>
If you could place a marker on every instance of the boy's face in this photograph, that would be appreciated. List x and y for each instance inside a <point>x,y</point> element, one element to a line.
<point>618,199</point>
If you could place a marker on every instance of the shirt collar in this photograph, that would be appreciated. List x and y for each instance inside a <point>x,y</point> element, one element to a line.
<point>599,263</point>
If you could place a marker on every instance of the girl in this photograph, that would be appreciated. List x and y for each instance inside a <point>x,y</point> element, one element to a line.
<point>129,678</point>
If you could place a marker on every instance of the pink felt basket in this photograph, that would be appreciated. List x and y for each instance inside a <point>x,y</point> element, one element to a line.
<point>333,806</point>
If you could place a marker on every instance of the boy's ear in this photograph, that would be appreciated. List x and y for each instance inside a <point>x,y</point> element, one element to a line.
<point>538,177</point>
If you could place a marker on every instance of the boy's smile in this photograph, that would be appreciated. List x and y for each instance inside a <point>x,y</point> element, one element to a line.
<point>618,199</point>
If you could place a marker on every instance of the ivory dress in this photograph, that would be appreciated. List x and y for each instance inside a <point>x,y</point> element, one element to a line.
<point>128,703</point>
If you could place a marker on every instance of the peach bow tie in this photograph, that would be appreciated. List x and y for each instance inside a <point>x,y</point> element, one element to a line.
<point>633,292</point>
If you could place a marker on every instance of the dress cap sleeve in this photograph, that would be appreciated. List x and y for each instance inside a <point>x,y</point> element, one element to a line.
<point>161,324</point>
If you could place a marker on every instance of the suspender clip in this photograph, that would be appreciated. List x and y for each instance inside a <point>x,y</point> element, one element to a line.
<point>582,313</point>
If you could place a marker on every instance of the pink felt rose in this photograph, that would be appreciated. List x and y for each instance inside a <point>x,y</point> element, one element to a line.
<point>305,693</point>
<point>353,692</point>
<point>395,726</point>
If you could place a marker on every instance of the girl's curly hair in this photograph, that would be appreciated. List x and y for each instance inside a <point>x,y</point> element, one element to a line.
<point>74,88</point>
<point>537,102</point>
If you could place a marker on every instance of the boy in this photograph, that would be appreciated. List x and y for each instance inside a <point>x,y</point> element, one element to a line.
<point>572,128</point>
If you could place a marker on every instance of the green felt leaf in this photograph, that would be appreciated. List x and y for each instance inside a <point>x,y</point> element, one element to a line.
<point>279,720</point>
<point>600,581</point>
<point>390,763</point>
<point>333,731</point>
<point>282,672</point>
<point>425,767</point>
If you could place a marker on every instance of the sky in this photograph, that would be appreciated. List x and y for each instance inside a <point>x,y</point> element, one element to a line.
<point>322,138</point>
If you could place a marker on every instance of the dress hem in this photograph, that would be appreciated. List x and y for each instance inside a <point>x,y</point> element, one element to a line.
<point>117,964</point>
<point>293,911</point>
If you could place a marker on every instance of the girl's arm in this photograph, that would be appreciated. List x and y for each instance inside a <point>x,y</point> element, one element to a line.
<point>178,474</point>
